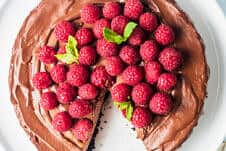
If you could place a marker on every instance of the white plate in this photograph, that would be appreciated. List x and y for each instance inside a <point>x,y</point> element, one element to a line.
<point>117,134</point>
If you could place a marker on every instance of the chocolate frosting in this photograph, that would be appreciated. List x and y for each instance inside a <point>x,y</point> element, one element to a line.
<point>165,133</point>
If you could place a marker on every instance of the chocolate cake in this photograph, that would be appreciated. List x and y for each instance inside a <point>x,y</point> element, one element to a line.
<point>163,131</point>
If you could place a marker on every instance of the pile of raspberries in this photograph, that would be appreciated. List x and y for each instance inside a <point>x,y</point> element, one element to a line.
<point>146,65</point>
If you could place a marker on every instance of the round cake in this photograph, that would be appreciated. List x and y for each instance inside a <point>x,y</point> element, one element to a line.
<point>70,53</point>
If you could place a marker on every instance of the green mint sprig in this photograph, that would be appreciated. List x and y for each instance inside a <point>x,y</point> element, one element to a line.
<point>113,37</point>
<point>71,54</point>
<point>125,106</point>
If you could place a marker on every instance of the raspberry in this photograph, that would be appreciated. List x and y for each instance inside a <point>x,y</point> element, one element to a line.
<point>141,117</point>
<point>87,55</point>
<point>66,93</point>
<point>62,122</point>
<point>121,92</point>
<point>80,108</point>
<point>148,21</point>
<point>63,30</point>
<point>132,75</point>
<point>141,94</point>
<point>78,75</point>
<point>161,103</point>
<point>48,100</point>
<point>41,80</point>
<point>82,129</point>
<point>170,58</point>
<point>84,36</point>
<point>47,55</point>
<point>129,55</point>
<point>114,66</point>
<point>149,50</point>
<point>99,27</point>
<point>100,78</point>
<point>166,81</point>
<point>87,91</point>
<point>106,49</point>
<point>58,73</point>
<point>152,71</point>
<point>90,13</point>
<point>164,35</point>
<point>133,9</point>
<point>119,23</point>
<point>137,37</point>
<point>123,113</point>
<point>111,10</point>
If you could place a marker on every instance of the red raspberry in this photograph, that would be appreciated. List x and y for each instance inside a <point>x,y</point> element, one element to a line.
<point>100,78</point>
<point>123,113</point>
<point>106,49</point>
<point>48,100</point>
<point>80,108</point>
<point>78,75</point>
<point>141,94</point>
<point>141,117</point>
<point>152,71</point>
<point>132,75</point>
<point>170,58</point>
<point>83,129</point>
<point>41,80</point>
<point>164,35</point>
<point>66,93</point>
<point>58,73</point>
<point>90,13</point>
<point>129,55</point>
<point>99,26</point>
<point>63,30</point>
<point>114,66</point>
<point>148,21</point>
<point>149,50</point>
<point>88,91</point>
<point>137,37</point>
<point>161,103</point>
<point>62,122</point>
<point>166,81</point>
<point>84,36</point>
<point>119,23</point>
<point>111,10</point>
<point>87,55</point>
<point>47,55</point>
<point>121,92</point>
<point>133,9</point>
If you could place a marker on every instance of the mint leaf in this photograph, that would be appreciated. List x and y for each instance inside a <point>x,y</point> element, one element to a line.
<point>127,106</point>
<point>124,105</point>
<point>129,112</point>
<point>116,103</point>
<point>71,46</point>
<point>129,29</point>
<point>66,58</point>
<point>113,37</point>
<point>71,54</point>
